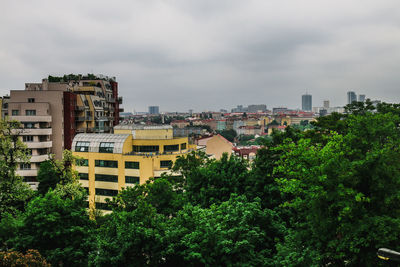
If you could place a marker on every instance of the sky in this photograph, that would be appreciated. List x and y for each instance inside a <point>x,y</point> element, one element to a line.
<point>208,54</point>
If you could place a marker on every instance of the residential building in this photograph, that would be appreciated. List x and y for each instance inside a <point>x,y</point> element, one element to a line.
<point>54,111</point>
<point>351,97</point>
<point>215,146</point>
<point>130,156</point>
<point>4,106</point>
<point>361,98</point>
<point>154,110</point>
<point>306,102</point>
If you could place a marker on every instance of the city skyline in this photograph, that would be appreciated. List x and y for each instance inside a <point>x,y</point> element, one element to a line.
<point>207,55</point>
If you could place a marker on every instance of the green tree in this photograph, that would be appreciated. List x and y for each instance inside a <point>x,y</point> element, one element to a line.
<point>234,233</point>
<point>131,238</point>
<point>13,192</point>
<point>159,193</point>
<point>53,172</point>
<point>57,226</point>
<point>344,193</point>
<point>228,134</point>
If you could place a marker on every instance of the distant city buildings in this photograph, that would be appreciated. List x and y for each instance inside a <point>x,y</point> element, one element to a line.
<point>351,97</point>
<point>326,104</point>
<point>154,110</point>
<point>250,108</point>
<point>306,102</point>
<point>361,98</point>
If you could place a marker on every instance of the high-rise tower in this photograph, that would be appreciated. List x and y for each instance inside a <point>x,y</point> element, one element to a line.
<point>306,102</point>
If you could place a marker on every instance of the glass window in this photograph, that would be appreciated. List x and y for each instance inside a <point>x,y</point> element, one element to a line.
<point>106,192</point>
<point>106,147</point>
<point>166,164</point>
<point>31,100</point>
<point>82,146</point>
<point>171,148</point>
<point>106,178</point>
<point>25,166</point>
<point>102,206</point>
<point>82,162</point>
<point>83,176</point>
<point>15,112</point>
<point>145,149</point>
<point>131,165</point>
<point>30,112</point>
<point>106,163</point>
<point>29,125</point>
<point>131,180</point>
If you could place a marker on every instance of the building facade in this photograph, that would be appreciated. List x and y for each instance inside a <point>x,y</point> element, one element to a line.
<point>154,110</point>
<point>54,111</point>
<point>306,102</point>
<point>130,156</point>
<point>351,97</point>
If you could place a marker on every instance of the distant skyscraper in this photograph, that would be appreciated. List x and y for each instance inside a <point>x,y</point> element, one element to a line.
<point>326,104</point>
<point>306,102</point>
<point>361,98</point>
<point>351,97</point>
<point>154,110</point>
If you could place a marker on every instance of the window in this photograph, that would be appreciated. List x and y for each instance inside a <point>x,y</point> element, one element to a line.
<point>27,138</point>
<point>106,147</point>
<point>106,163</point>
<point>82,146</point>
<point>106,192</point>
<point>131,180</point>
<point>83,176</point>
<point>171,148</point>
<point>30,112</point>
<point>30,179</point>
<point>166,164</point>
<point>29,125</point>
<point>87,191</point>
<point>106,178</point>
<point>31,100</point>
<point>131,165</point>
<point>183,146</point>
<point>25,166</point>
<point>145,148</point>
<point>102,206</point>
<point>82,162</point>
<point>15,112</point>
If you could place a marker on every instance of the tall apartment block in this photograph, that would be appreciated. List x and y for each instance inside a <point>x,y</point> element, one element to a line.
<point>54,111</point>
<point>361,98</point>
<point>306,102</point>
<point>154,110</point>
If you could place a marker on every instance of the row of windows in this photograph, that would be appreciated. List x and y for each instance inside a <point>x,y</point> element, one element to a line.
<point>110,178</point>
<point>28,112</point>
<point>156,149</point>
<point>106,163</point>
<point>104,147</point>
<point>106,192</point>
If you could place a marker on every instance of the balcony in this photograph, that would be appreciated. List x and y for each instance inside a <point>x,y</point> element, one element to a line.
<point>121,110</point>
<point>79,108</point>
<point>39,158</point>
<point>89,118</point>
<point>120,100</point>
<point>80,118</point>
<point>32,172</point>
<point>110,99</point>
<point>46,144</point>
<point>34,131</point>
<point>46,118</point>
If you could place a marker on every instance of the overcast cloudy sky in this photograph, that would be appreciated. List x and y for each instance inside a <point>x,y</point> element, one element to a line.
<point>208,54</point>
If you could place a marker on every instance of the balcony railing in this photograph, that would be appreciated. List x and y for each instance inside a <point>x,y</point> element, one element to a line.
<point>120,100</point>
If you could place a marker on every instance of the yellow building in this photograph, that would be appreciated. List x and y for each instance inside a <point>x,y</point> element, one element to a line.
<point>130,156</point>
